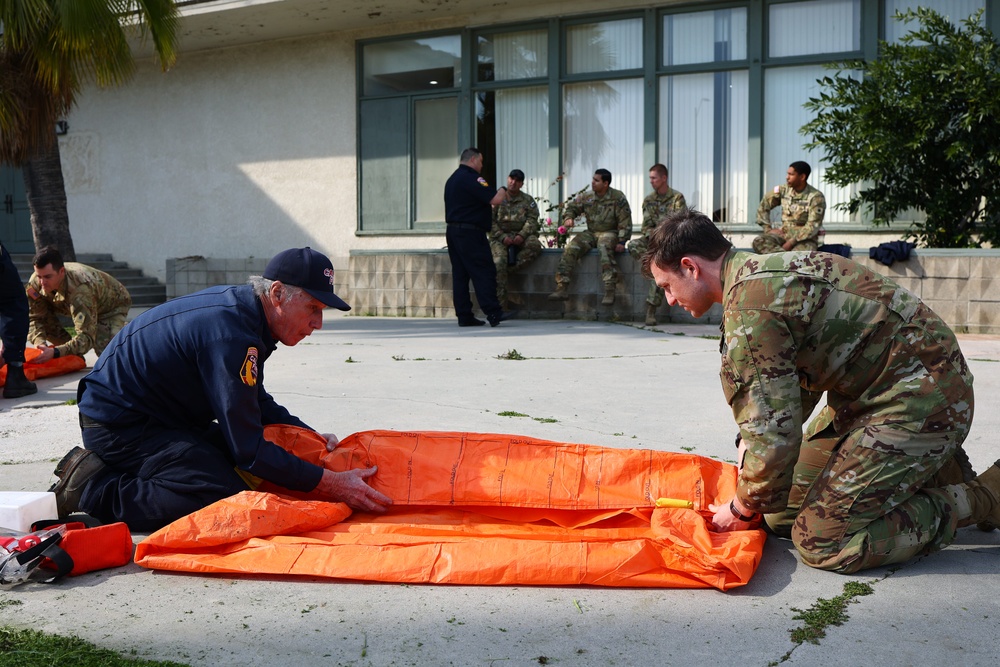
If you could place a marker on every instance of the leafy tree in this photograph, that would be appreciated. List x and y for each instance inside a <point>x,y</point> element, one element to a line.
<point>49,49</point>
<point>920,129</point>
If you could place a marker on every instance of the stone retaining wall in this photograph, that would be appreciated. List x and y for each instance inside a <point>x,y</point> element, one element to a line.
<point>960,285</point>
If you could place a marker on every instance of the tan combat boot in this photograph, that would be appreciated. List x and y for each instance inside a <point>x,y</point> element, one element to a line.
<point>981,502</point>
<point>609,295</point>
<point>650,315</point>
<point>560,294</point>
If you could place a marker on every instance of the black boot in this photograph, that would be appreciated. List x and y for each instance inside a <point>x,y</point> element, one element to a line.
<point>17,384</point>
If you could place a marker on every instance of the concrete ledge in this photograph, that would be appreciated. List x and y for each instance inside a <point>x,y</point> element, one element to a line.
<point>960,285</point>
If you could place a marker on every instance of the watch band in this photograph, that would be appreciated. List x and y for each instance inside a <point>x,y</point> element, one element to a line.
<point>741,517</point>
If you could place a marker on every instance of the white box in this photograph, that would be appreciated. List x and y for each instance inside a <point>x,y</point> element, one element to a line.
<point>20,509</point>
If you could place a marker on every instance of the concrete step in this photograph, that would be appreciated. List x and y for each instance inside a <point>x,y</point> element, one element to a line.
<point>146,291</point>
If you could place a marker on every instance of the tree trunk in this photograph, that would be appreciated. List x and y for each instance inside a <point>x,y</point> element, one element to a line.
<point>46,195</point>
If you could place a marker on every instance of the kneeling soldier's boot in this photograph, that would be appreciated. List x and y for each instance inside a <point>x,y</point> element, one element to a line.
<point>650,315</point>
<point>609,295</point>
<point>17,385</point>
<point>978,501</point>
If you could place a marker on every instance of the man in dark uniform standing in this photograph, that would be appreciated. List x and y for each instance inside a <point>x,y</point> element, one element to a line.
<point>173,413</point>
<point>467,201</point>
<point>13,328</point>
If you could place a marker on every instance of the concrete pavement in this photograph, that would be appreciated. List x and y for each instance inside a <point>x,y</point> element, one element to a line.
<point>604,383</point>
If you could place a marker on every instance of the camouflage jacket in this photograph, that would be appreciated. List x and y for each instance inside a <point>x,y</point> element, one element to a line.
<point>517,215</point>
<point>86,293</point>
<point>801,212</point>
<point>604,214</point>
<point>798,324</point>
<point>656,207</point>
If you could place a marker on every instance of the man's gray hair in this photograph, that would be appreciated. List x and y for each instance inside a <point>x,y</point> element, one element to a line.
<point>262,285</point>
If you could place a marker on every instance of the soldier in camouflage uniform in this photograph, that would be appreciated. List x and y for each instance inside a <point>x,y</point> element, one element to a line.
<point>655,207</point>
<point>873,481</point>
<point>97,303</point>
<point>515,225</point>
<point>609,226</point>
<point>802,210</point>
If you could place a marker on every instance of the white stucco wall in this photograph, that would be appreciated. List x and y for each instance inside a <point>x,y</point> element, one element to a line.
<point>233,153</point>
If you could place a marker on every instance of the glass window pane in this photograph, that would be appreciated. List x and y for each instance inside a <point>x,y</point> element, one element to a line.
<point>820,26</point>
<point>513,133</point>
<point>514,55</point>
<point>385,164</point>
<point>412,64</point>
<point>705,37</point>
<point>786,89</point>
<point>607,46</point>
<point>956,10</point>
<point>436,156</point>
<point>603,129</point>
<point>703,141</point>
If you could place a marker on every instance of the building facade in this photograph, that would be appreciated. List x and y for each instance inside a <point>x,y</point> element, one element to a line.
<point>335,124</point>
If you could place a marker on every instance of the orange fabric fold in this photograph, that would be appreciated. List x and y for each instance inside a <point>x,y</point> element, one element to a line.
<point>475,508</point>
<point>67,364</point>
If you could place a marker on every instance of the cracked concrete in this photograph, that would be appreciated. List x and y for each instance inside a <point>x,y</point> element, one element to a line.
<point>603,383</point>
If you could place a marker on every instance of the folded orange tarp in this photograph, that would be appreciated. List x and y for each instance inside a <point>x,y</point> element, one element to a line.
<point>60,366</point>
<point>477,509</point>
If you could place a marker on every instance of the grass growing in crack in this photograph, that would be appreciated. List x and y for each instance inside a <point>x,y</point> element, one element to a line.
<point>511,413</point>
<point>825,613</point>
<point>545,420</point>
<point>512,355</point>
<point>349,360</point>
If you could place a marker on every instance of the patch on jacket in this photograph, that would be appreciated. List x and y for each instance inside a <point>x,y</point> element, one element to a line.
<point>33,293</point>
<point>248,371</point>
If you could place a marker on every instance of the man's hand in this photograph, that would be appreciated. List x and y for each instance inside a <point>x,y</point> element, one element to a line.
<point>789,244</point>
<point>620,247</point>
<point>331,441</point>
<point>517,240</point>
<point>724,520</point>
<point>46,354</point>
<point>350,487</point>
<point>507,240</point>
<point>568,223</point>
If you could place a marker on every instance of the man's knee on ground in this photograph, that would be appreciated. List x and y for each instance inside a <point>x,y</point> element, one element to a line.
<point>828,554</point>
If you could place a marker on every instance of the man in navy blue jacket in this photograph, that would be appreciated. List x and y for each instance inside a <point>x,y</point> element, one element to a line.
<point>468,199</point>
<point>173,413</point>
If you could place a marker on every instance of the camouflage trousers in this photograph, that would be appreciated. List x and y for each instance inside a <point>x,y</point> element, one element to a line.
<point>108,324</point>
<point>859,501</point>
<point>582,243</point>
<point>637,248</point>
<point>528,252</point>
<point>767,243</point>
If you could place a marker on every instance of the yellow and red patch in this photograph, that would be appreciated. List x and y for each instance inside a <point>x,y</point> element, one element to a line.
<point>248,370</point>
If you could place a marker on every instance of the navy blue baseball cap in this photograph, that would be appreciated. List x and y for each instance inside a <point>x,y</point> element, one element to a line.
<point>309,270</point>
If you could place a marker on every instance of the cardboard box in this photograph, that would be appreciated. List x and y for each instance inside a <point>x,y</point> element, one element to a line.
<point>20,509</point>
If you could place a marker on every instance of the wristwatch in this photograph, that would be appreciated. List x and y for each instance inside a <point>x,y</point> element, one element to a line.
<point>741,517</point>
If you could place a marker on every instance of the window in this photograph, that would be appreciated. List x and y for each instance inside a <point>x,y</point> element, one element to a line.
<point>412,65</point>
<point>602,129</point>
<point>408,131</point>
<point>956,10</point>
<point>820,26</point>
<point>720,103</point>
<point>705,37</point>
<point>703,125</point>
<point>608,46</point>
<point>514,55</point>
<point>785,90</point>
<point>513,132</point>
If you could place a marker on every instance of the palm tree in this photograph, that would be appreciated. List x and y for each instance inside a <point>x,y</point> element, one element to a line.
<point>49,49</point>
